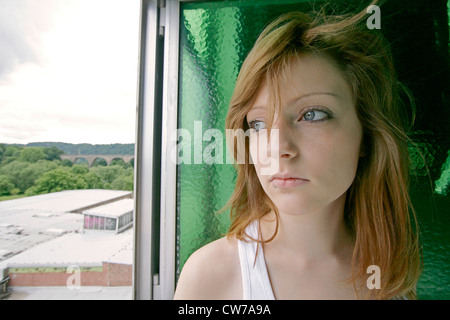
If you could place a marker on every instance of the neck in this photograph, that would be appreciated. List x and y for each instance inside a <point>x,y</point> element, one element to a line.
<point>310,236</point>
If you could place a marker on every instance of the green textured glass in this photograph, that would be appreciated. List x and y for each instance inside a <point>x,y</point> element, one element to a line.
<point>215,38</point>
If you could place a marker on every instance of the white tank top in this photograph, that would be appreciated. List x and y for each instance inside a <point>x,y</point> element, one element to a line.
<point>255,278</point>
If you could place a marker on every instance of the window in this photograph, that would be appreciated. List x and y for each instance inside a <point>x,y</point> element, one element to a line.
<point>68,78</point>
<point>116,216</point>
<point>200,46</point>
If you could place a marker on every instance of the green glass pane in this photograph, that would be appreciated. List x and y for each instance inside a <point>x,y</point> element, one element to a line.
<point>215,37</point>
<point>214,40</point>
<point>419,34</point>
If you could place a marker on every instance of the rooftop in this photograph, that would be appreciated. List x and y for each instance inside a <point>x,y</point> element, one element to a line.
<point>91,249</point>
<point>64,201</point>
<point>27,222</point>
<point>45,230</point>
<point>113,209</point>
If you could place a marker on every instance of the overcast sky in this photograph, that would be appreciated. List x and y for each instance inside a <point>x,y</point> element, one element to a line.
<point>68,70</point>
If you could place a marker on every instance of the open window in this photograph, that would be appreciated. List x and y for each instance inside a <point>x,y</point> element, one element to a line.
<point>191,52</point>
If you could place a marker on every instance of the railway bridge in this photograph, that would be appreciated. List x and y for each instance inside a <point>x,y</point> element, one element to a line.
<point>92,157</point>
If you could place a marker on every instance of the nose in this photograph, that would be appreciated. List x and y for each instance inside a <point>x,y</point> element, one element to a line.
<point>287,147</point>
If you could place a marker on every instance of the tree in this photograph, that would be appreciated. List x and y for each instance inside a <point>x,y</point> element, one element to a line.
<point>2,151</point>
<point>56,180</point>
<point>66,163</point>
<point>81,183</point>
<point>79,169</point>
<point>123,183</point>
<point>11,153</point>
<point>24,174</point>
<point>107,174</point>
<point>15,173</point>
<point>5,186</point>
<point>53,153</point>
<point>93,181</point>
<point>32,154</point>
<point>28,170</point>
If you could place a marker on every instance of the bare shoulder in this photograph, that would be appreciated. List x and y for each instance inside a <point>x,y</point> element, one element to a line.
<point>212,272</point>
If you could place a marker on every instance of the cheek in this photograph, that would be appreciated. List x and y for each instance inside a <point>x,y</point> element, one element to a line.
<point>264,166</point>
<point>337,157</point>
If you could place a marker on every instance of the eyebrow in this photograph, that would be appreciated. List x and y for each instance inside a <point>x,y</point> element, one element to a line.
<point>295,100</point>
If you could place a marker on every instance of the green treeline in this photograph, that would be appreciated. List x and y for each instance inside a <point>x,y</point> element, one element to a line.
<point>37,170</point>
<point>86,148</point>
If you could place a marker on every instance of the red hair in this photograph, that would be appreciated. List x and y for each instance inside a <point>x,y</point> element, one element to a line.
<point>378,209</point>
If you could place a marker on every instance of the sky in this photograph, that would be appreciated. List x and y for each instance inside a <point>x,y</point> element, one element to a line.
<point>68,70</point>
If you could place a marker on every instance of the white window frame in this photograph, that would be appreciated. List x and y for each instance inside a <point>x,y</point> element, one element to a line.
<point>167,264</point>
<point>144,174</point>
<point>158,18</point>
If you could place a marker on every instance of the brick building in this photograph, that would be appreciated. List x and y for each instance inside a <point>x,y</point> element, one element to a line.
<point>43,242</point>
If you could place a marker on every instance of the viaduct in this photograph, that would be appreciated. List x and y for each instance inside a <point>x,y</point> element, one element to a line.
<point>92,157</point>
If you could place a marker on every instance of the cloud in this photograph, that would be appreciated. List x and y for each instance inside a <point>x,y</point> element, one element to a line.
<point>68,70</point>
<point>22,23</point>
<point>17,126</point>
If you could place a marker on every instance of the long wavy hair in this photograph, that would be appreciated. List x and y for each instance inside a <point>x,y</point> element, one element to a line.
<point>378,209</point>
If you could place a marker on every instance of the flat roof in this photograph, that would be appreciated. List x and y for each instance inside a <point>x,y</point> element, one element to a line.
<point>89,249</point>
<point>64,201</point>
<point>113,209</point>
<point>30,223</point>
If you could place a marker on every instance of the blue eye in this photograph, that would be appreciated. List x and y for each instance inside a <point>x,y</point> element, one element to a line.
<point>316,115</point>
<point>257,125</point>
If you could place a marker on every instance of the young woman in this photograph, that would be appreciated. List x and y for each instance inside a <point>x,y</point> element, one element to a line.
<point>332,219</point>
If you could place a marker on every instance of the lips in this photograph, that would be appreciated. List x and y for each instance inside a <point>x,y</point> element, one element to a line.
<point>287,181</point>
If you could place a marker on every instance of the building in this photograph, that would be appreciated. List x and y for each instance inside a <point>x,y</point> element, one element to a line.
<point>116,216</point>
<point>44,243</point>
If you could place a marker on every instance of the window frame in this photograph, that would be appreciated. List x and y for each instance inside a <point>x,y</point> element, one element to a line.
<point>154,268</point>
<point>144,150</point>
<point>166,287</point>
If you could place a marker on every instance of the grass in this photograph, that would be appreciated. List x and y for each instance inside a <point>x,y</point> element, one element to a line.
<point>17,196</point>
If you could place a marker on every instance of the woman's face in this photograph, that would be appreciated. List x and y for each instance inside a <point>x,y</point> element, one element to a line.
<point>317,137</point>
